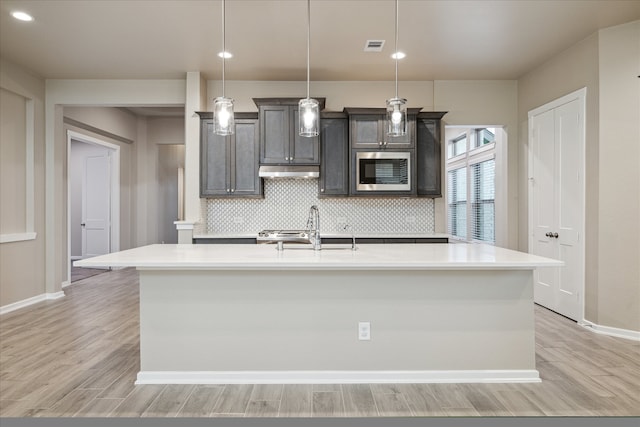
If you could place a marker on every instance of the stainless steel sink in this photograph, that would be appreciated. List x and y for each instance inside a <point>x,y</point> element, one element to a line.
<point>284,236</point>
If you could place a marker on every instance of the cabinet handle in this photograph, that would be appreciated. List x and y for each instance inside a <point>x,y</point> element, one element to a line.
<point>233,190</point>
<point>228,190</point>
<point>548,234</point>
<point>380,143</point>
<point>322,190</point>
<point>555,235</point>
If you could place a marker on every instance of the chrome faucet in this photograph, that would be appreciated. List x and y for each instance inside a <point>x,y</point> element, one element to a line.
<point>347,227</point>
<point>313,225</point>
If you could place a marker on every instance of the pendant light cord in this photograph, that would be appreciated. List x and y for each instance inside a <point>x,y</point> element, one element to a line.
<point>308,42</point>
<point>224,47</point>
<point>396,49</point>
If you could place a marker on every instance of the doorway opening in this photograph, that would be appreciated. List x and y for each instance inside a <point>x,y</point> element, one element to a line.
<point>93,200</point>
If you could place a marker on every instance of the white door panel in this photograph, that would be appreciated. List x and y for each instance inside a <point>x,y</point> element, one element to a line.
<point>96,206</point>
<point>557,204</point>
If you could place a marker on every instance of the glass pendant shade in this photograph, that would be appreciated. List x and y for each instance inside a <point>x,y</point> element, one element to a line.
<point>396,117</point>
<point>309,113</point>
<point>223,120</point>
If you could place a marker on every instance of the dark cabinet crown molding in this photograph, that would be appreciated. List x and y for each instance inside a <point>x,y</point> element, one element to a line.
<point>286,101</point>
<point>376,110</point>
<point>437,115</point>
<point>209,115</point>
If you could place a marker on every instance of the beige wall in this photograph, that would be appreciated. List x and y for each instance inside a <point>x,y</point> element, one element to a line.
<point>22,264</point>
<point>575,68</point>
<point>619,178</point>
<point>606,63</point>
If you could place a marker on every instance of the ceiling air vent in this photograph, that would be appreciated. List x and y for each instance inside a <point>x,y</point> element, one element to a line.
<point>374,46</point>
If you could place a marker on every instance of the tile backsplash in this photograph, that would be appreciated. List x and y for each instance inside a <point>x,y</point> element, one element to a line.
<point>286,205</point>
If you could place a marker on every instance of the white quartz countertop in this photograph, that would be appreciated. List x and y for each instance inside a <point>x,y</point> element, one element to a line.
<point>331,257</point>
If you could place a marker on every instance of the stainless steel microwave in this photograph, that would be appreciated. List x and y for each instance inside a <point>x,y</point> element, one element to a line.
<point>383,170</point>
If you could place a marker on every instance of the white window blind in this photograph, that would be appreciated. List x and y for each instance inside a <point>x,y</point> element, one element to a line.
<point>483,191</point>
<point>457,202</point>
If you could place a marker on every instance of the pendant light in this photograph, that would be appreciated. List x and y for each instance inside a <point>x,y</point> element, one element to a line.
<point>308,108</point>
<point>223,120</point>
<point>396,107</point>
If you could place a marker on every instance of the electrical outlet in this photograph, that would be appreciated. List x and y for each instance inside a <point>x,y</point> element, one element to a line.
<point>364,331</point>
<point>238,220</point>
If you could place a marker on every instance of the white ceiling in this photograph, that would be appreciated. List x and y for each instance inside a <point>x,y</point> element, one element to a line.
<point>164,39</point>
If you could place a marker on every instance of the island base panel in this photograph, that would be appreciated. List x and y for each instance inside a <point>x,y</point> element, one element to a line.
<point>223,326</point>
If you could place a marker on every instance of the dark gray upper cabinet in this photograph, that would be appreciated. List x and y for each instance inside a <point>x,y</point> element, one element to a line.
<point>229,164</point>
<point>280,142</point>
<point>368,129</point>
<point>334,150</point>
<point>428,155</point>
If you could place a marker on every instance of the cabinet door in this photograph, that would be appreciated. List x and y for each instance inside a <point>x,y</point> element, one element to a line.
<point>400,142</point>
<point>244,165</point>
<point>214,158</point>
<point>366,131</point>
<point>274,134</point>
<point>428,157</point>
<point>304,150</point>
<point>334,168</point>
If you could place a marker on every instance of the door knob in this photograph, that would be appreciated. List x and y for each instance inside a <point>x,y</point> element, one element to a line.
<point>548,234</point>
<point>555,235</point>
<point>83,224</point>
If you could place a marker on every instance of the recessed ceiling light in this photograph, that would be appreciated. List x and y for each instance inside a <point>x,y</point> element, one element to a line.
<point>22,16</point>
<point>225,55</point>
<point>400,55</point>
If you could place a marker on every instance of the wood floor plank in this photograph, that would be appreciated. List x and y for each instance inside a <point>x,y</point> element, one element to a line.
<point>391,404</point>
<point>234,399</point>
<point>170,401</point>
<point>201,401</point>
<point>296,400</point>
<point>138,401</point>
<point>98,408</point>
<point>263,408</point>
<point>327,404</point>
<point>420,400</point>
<point>359,401</point>
<point>267,392</point>
<point>71,403</point>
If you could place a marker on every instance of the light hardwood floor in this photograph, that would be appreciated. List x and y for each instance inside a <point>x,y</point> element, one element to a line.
<point>78,356</point>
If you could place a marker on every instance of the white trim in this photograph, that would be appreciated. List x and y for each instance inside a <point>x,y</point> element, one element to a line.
<point>17,237</point>
<point>114,172</point>
<point>76,257</point>
<point>337,377</point>
<point>65,283</point>
<point>611,331</point>
<point>30,301</point>
<point>184,225</point>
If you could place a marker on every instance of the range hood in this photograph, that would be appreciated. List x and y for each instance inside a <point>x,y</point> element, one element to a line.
<point>287,171</point>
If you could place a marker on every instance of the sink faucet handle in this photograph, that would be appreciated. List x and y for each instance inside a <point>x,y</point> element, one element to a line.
<point>347,227</point>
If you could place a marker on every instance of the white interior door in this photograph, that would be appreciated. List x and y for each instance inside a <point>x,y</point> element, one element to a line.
<point>557,203</point>
<point>96,205</point>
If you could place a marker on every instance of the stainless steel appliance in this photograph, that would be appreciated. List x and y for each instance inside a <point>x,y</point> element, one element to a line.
<point>383,170</point>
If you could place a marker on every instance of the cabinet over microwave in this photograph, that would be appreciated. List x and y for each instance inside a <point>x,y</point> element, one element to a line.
<point>383,171</point>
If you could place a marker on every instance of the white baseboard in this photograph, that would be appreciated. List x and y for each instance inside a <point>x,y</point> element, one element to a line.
<point>614,332</point>
<point>65,284</point>
<point>336,377</point>
<point>30,301</point>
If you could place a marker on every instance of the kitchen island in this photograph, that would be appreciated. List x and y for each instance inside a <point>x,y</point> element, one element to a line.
<point>220,314</point>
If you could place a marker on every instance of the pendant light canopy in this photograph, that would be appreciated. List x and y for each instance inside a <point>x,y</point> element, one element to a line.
<point>308,108</point>
<point>223,120</point>
<point>396,107</point>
